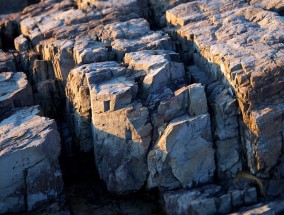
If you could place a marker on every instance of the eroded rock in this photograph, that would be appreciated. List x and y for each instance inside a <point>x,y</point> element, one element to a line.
<point>183,155</point>
<point>210,199</point>
<point>238,50</point>
<point>30,147</point>
<point>15,91</point>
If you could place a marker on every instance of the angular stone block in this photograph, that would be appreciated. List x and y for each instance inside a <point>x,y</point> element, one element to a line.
<point>15,91</point>
<point>184,154</point>
<point>29,151</point>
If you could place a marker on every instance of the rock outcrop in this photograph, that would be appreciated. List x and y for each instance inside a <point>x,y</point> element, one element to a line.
<point>29,151</point>
<point>244,50</point>
<point>183,156</point>
<point>185,109</point>
<point>15,91</point>
<point>210,199</point>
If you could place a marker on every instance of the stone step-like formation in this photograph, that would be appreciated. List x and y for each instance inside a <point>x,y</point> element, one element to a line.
<point>29,151</point>
<point>243,48</point>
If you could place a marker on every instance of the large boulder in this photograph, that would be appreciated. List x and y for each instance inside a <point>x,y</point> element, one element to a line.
<point>121,127</point>
<point>224,115</point>
<point>184,154</point>
<point>29,151</point>
<point>78,103</point>
<point>133,35</point>
<point>121,142</point>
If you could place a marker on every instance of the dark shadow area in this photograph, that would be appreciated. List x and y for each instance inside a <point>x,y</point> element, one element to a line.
<point>15,5</point>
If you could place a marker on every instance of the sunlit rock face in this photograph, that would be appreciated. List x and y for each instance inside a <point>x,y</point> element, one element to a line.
<point>30,147</point>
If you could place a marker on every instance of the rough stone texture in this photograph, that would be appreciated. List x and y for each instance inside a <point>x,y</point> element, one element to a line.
<point>224,116</point>
<point>60,52</point>
<point>197,100</point>
<point>21,43</point>
<point>50,96</point>
<point>210,199</point>
<point>121,130</point>
<point>133,35</point>
<point>15,91</point>
<point>242,48</point>
<point>274,5</point>
<point>42,71</point>
<point>121,142</point>
<point>29,151</point>
<point>79,102</point>
<point>183,155</point>
<point>87,50</point>
<point>7,62</point>
<point>159,7</point>
<point>270,208</point>
<point>112,10</point>
<point>148,106</point>
<point>162,69</point>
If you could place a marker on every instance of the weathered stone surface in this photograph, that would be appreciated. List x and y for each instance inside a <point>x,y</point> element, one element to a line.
<point>162,68</point>
<point>197,100</point>
<point>41,24</point>
<point>159,8</point>
<point>183,155</point>
<point>112,10</point>
<point>121,142</point>
<point>7,62</point>
<point>29,151</point>
<point>265,153</point>
<point>79,101</point>
<point>21,43</point>
<point>245,53</point>
<point>274,5</point>
<point>133,35</point>
<point>210,199</point>
<point>87,50</point>
<point>121,130</point>
<point>15,91</point>
<point>60,52</point>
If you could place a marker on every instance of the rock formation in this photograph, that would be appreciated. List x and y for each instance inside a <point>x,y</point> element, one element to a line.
<point>180,96</point>
<point>30,147</point>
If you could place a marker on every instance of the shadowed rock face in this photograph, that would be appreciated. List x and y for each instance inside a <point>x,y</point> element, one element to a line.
<point>181,109</point>
<point>29,151</point>
<point>244,49</point>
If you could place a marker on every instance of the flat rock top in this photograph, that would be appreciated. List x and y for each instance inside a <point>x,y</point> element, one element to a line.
<point>108,68</point>
<point>149,59</point>
<point>24,129</point>
<point>11,83</point>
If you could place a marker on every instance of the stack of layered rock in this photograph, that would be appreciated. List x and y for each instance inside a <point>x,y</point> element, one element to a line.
<point>129,98</point>
<point>244,50</point>
<point>29,151</point>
